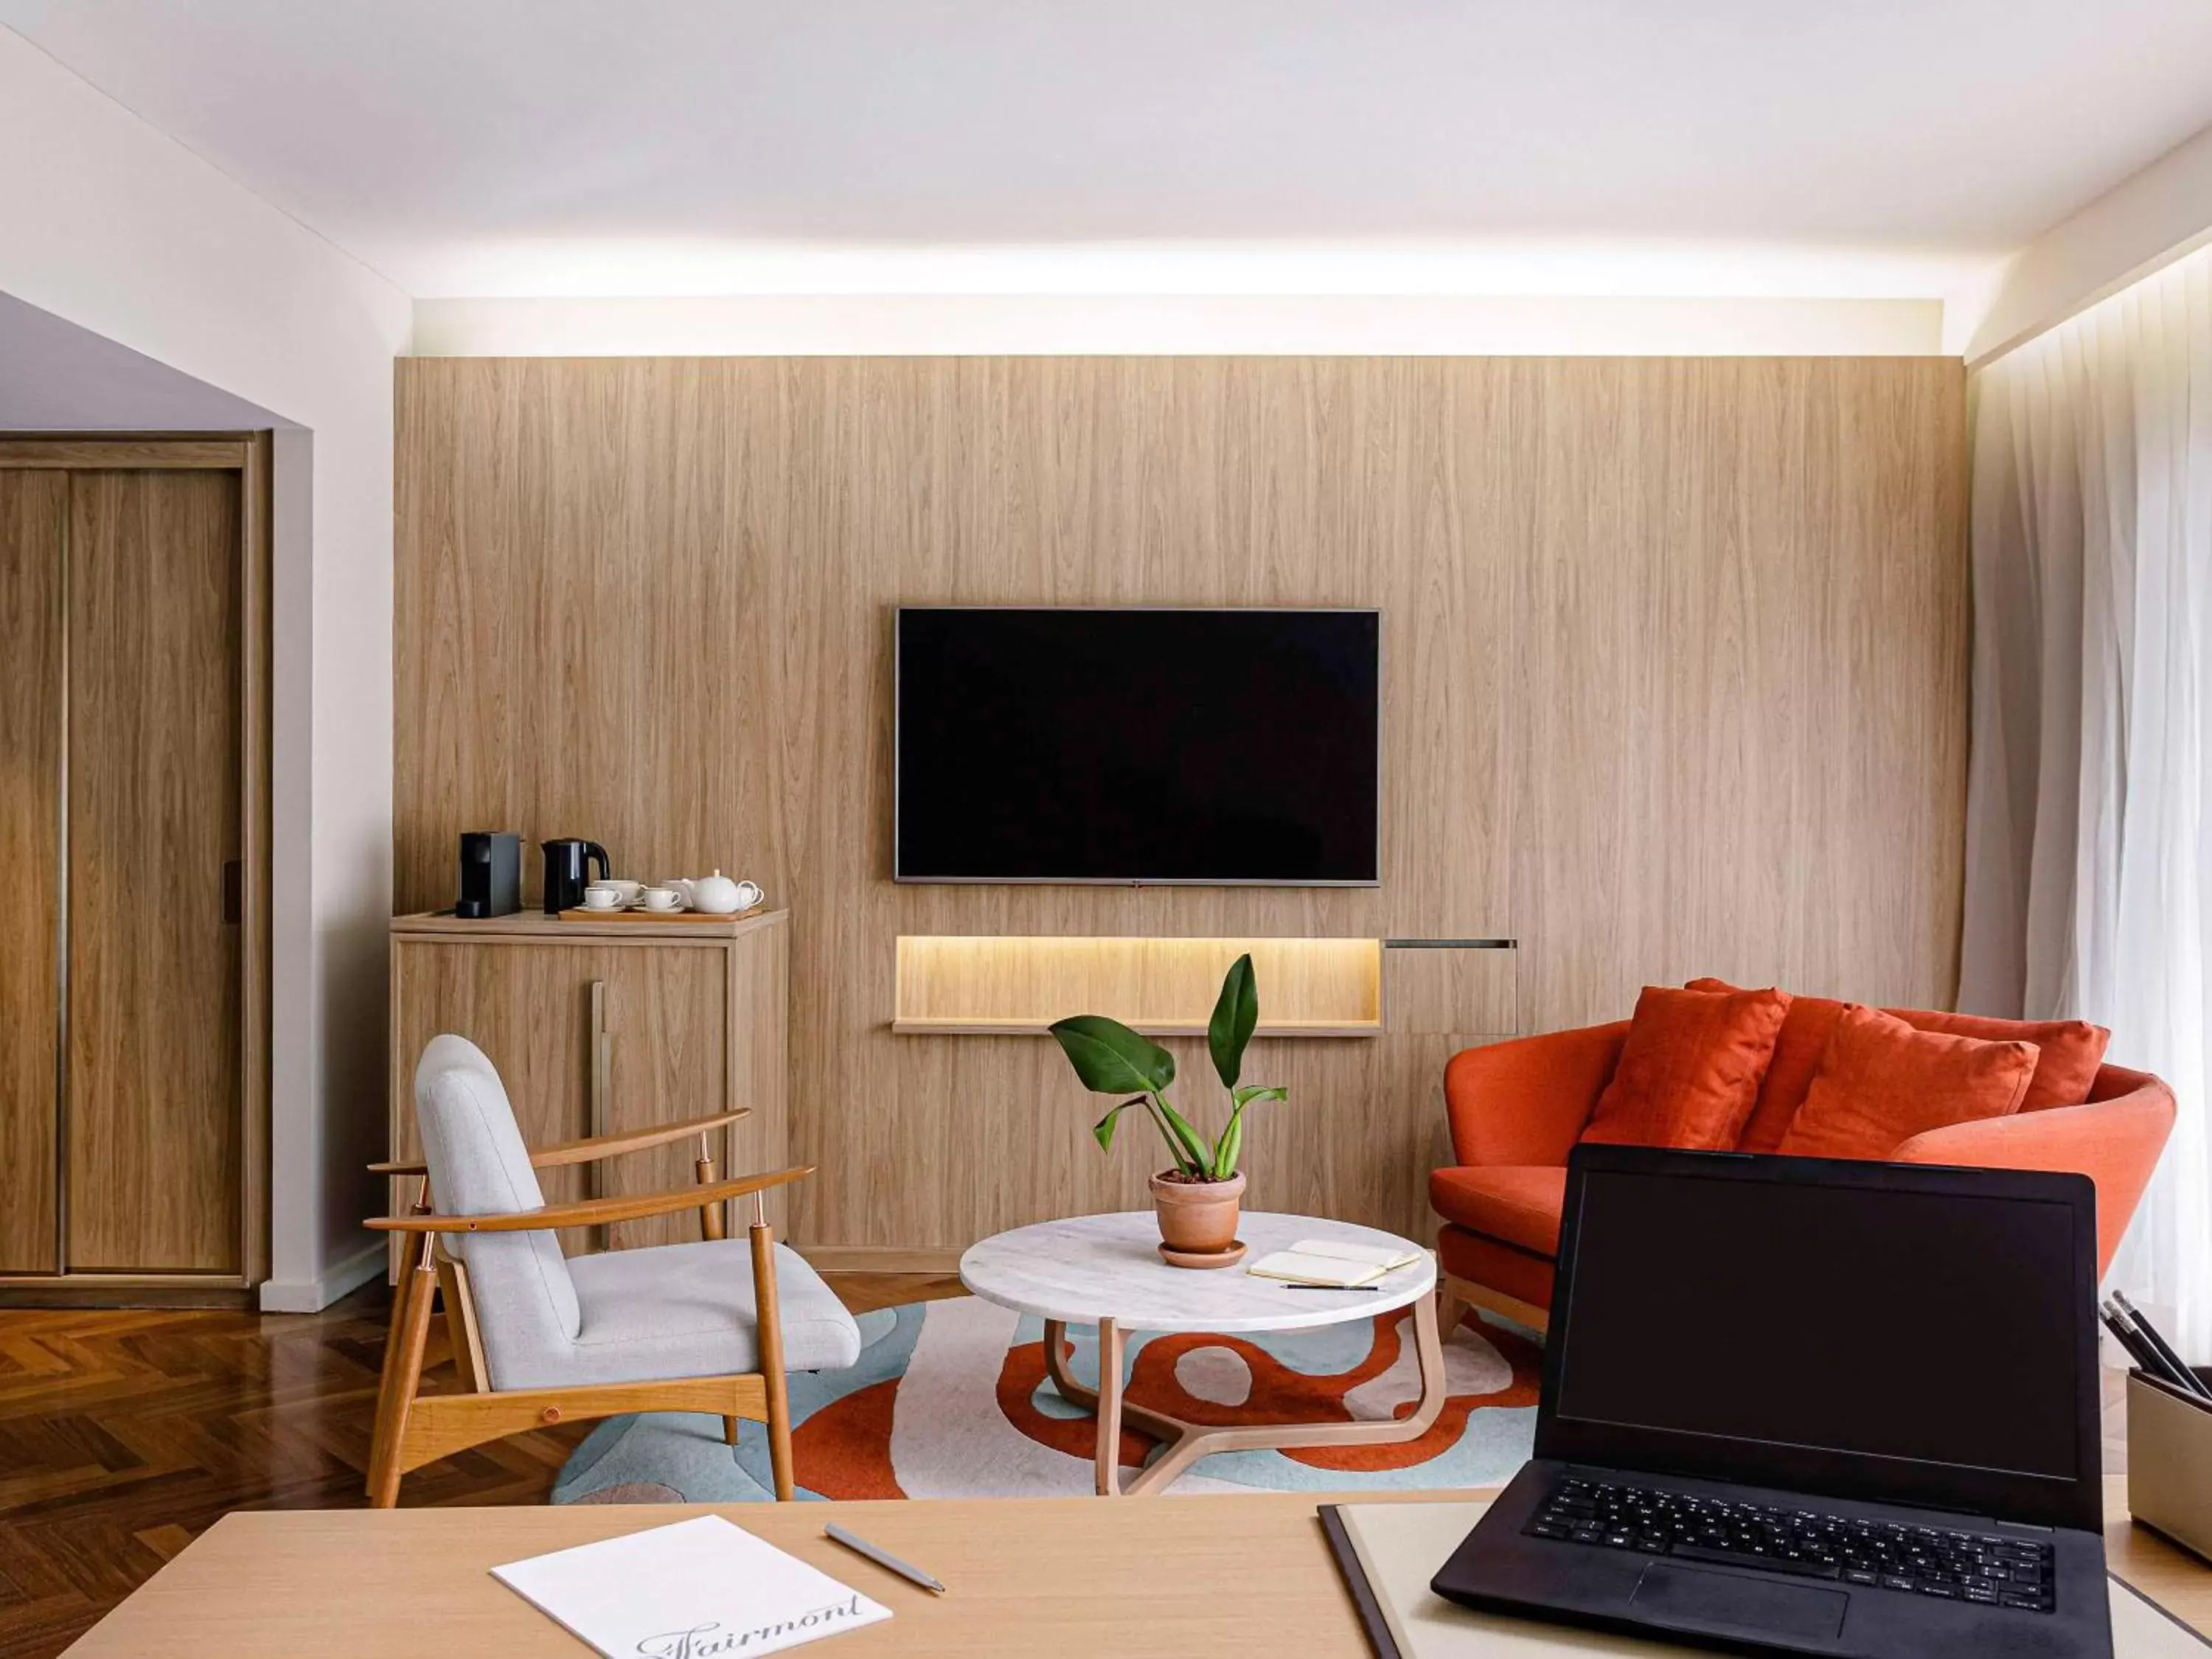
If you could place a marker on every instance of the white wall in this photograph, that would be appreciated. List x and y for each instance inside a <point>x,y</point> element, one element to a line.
<point>837,325</point>
<point>110,225</point>
<point>57,377</point>
<point>2147,220</point>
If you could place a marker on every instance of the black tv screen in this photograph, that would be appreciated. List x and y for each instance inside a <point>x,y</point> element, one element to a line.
<point>1218,747</point>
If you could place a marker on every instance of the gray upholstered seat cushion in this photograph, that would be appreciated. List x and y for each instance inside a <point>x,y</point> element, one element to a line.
<point>687,1310</point>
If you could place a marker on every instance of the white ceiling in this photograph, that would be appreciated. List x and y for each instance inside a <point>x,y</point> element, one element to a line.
<point>548,147</point>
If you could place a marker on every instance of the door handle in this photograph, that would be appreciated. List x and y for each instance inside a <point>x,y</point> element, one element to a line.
<point>234,892</point>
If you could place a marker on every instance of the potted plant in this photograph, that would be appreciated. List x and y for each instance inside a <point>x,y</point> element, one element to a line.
<point>1196,1198</point>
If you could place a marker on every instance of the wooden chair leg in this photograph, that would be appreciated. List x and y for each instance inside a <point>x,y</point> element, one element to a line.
<point>403,1374</point>
<point>771,1328</point>
<point>1449,1310</point>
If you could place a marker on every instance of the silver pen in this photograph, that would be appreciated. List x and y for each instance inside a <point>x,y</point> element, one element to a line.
<point>883,1559</point>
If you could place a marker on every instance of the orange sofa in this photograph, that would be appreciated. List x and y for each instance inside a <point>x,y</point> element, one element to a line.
<point>1517,1109</point>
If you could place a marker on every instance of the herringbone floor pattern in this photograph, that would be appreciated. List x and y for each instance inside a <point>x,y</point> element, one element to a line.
<point>123,1435</point>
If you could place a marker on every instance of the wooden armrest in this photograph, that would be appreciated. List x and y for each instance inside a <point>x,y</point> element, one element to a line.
<point>589,1213</point>
<point>592,1148</point>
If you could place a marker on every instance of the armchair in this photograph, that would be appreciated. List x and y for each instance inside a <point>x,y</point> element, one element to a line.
<point>1516,1110</point>
<point>539,1339</point>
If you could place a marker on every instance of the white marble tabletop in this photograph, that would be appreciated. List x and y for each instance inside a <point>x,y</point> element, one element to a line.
<point>1108,1267</point>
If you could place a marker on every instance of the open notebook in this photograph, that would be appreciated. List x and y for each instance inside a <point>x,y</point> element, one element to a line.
<point>1325,1261</point>
<point>697,1587</point>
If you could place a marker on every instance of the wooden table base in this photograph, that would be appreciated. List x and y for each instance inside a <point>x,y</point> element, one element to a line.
<point>1185,1443</point>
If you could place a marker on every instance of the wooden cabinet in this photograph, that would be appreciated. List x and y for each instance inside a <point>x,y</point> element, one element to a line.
<point>600,1027</point>
<point>133,831</point>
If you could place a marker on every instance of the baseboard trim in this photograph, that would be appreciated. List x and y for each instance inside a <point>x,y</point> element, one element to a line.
<point>341,1278</point>
<point>103,1291</point>
<point>882,1258</point>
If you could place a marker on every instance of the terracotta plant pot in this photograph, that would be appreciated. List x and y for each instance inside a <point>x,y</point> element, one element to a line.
<point>1197,1218</point>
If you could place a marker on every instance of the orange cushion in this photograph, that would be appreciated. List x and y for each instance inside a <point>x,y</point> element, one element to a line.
<point>1690,1070</point>
<point>1881,1083</point>
<point>1521,1205</point>
<point>1798,1047</point>
<point>2071,1050</point>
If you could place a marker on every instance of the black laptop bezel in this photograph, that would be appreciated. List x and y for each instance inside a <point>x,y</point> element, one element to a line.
<point>2056,1501</point>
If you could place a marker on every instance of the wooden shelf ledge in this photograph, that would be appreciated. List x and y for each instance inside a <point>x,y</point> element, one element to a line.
<point>1144,1028</point>
<point>999,985</point>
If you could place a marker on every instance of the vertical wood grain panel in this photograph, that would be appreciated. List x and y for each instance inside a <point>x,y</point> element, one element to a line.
<point>34,519</point>
<point>1436,991</point>
<point>667,1011</point>
<point>528,1008</point>
<point>1742,743</point>
<point>155,1146</point>
<point>1674,682</point>
<point>760,1067</point>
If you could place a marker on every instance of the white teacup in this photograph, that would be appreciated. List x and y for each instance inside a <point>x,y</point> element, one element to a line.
<point>628,890</point>
<point>604,895</point>
<point>662,898</point>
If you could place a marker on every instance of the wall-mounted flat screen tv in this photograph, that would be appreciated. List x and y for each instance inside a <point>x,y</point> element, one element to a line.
<point>1214,747</point>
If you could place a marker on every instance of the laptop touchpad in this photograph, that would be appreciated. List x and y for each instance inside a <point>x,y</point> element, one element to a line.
<point>1728,1602</point>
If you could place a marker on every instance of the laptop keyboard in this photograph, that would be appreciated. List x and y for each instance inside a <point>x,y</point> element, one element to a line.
<point>1958,1566</point>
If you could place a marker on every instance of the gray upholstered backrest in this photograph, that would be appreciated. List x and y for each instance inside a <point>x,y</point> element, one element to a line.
<point>519,1282</point>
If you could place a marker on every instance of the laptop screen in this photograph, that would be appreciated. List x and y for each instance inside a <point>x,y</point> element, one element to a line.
<point>1937,1327</point>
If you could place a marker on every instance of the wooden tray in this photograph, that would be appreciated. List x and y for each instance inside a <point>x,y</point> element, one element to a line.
<point>582,915</point>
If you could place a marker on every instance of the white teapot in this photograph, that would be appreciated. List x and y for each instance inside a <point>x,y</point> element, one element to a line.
<point>717,895</point>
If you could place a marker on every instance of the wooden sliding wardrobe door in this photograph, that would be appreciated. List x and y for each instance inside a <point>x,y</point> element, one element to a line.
<point>153,1159</point>
<point>33,519</point>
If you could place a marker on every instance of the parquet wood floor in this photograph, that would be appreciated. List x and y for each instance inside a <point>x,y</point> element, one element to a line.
<point>123,1435</point>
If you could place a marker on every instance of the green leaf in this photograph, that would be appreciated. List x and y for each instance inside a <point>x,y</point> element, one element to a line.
<point>1231,1145</point>
<point>1110,1059</point>
<point>1232,1142</point>
<point>1194,1143</point>
<point>1103,1131</point>
<point>1176,1151</point>
<point>1235,1016</point>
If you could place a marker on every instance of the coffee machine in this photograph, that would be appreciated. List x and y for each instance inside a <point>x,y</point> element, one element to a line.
<point>568,861</point>
<point>491,874</point>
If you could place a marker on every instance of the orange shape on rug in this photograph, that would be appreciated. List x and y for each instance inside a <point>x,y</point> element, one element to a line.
<point>844,1449</point>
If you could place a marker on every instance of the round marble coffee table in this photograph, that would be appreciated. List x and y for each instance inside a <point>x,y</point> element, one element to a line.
<point>1105,1270</point>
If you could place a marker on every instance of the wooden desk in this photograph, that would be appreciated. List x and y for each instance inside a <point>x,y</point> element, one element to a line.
<point>1193,1578</point>
<point>2173,1577</point>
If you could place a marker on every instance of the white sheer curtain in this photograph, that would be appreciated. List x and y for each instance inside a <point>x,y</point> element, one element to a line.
<point>2089,809</point>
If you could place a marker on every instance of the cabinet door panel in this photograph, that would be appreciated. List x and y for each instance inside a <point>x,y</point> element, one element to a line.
<point>154,1151</point>
<point>666,1013</point>
<point>528,1007</point>
<point>33,508</point>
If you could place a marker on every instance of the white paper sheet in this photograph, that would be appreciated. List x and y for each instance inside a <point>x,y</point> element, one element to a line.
<point>701,1588</point>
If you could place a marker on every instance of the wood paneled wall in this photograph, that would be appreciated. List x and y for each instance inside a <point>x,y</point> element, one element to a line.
<point>1675,658</point>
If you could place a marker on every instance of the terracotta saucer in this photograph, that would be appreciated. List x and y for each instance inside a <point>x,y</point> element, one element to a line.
<point>1228,1258</point>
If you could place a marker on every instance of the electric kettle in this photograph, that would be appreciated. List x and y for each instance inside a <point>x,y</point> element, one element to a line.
<point>567,860</point>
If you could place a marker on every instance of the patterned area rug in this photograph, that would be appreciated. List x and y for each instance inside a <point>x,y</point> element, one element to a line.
<point>949,1400</point>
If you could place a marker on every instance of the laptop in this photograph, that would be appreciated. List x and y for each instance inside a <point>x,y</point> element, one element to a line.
<point>1806,1406</point>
